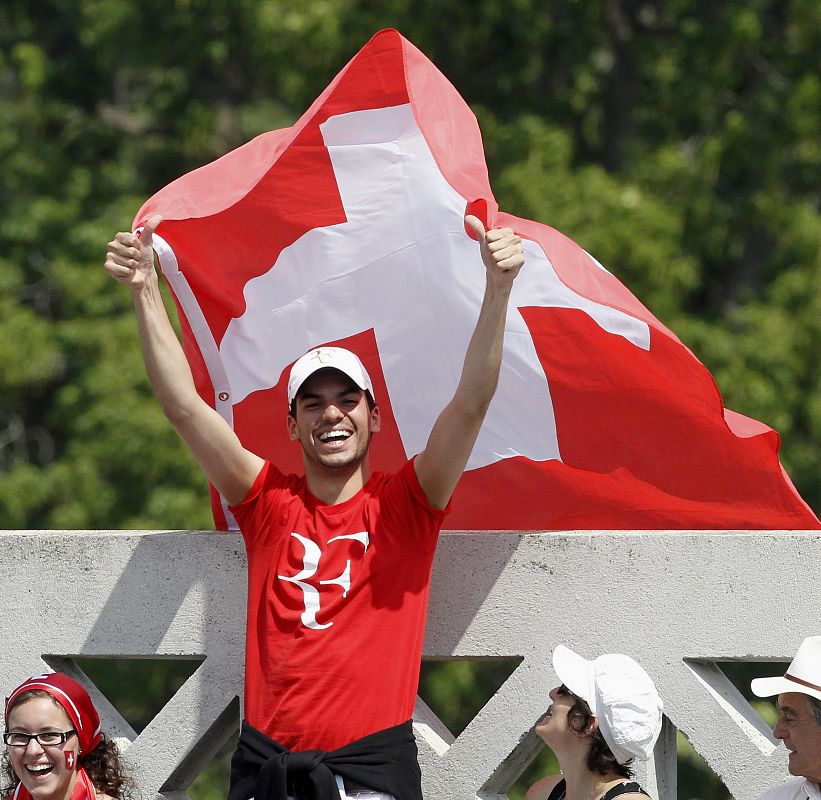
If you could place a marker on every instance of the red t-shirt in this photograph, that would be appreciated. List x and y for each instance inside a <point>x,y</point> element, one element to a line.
<point>337,599</point>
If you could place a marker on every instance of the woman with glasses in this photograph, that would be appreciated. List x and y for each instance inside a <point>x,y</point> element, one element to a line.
<point>54,747</point>
<point>605,715</point>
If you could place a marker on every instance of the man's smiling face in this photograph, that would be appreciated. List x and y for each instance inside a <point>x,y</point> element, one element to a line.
<point>801,734</point>
<point>333,421</point>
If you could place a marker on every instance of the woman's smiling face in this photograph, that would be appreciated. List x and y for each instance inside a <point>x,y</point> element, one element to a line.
<point>44,771</point>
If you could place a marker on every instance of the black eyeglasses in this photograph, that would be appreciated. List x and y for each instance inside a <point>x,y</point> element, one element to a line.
<point>45,739</point>
<point>564,690</point>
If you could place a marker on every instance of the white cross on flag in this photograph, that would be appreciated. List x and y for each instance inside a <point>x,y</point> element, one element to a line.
<point>348,228</point>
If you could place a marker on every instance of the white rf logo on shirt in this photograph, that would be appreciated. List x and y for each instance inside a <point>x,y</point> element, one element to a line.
<point>310,565</point>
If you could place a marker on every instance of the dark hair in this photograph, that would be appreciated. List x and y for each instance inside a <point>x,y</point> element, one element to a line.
<point>600,757</point>
<point>103,764</point>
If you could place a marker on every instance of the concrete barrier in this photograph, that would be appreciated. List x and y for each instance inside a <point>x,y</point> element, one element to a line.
<point>680,602</point>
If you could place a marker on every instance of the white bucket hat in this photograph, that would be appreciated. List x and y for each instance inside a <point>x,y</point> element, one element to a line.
<point>803,675</point>
<point>622,697</point>
<point>328,358</point>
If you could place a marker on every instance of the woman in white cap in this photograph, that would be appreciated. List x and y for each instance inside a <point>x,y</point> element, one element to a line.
<point>605,714</point>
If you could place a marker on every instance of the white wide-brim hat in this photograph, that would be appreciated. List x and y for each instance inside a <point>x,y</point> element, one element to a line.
<point>803,675</point>
<point>328,358</point>
<point>622,697</point>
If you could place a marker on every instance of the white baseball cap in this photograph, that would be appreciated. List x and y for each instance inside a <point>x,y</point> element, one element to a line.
<point>803,675</point>
<point>328,358</point>
<point>622,697</point>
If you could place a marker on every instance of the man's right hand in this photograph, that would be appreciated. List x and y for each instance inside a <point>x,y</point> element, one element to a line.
<point>229,466</point>
<point>130,257</point>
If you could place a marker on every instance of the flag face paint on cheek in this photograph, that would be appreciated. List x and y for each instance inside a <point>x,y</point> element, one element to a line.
<point>70,758</point>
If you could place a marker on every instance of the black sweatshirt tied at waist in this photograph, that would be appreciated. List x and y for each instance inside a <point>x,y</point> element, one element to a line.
<point>385,761</point>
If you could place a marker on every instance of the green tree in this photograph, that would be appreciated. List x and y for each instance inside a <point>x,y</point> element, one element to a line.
<point>678,142</point>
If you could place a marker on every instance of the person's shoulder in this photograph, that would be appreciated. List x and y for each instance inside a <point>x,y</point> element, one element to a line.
<point>542,788</point>
<point>407,478</point>
<point>269,478</point>
<point>380,482</point>
<point>792,790</point>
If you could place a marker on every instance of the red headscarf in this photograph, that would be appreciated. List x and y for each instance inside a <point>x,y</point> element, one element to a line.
<point>80,710</point>
<point>72,697</point>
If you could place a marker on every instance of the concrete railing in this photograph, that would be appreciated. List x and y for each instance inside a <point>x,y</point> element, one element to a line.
<point>679,602</point>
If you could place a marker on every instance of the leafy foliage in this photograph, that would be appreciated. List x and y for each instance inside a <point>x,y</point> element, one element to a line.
<point>678,142</point>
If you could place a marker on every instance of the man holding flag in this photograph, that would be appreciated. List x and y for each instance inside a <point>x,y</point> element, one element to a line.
<point>347,227</point>
<point>339,560</point>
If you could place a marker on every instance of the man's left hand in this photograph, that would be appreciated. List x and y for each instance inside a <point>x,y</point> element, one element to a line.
<point>502,252</point>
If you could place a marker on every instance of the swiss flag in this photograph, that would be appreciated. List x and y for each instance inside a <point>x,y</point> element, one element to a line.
<point>348,228</point>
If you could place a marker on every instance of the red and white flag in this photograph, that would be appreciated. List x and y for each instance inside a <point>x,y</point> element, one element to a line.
<point>348,228</point>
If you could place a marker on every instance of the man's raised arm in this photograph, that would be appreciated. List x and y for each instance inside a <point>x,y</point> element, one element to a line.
<point>440,465</point>
<point>229,466</point>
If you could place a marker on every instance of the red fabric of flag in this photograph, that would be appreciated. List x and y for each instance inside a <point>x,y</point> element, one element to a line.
<point>348,228</point>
